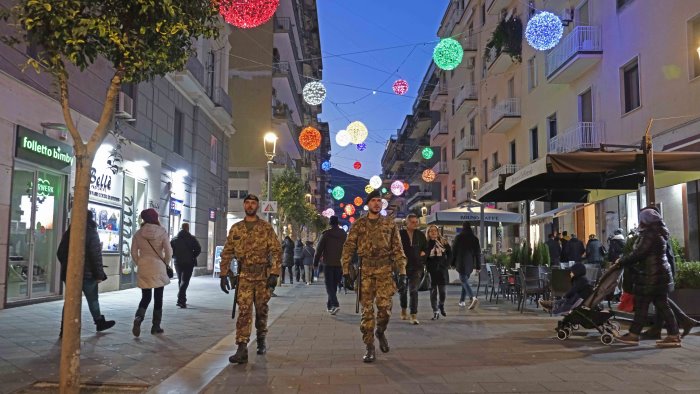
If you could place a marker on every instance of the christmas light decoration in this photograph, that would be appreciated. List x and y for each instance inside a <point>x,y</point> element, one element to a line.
<point>310,138</point>
<point>448,54</point>
<point>375,182</point>
<point>350,209</point>
<point>383,212</point>
<point>428,175</point>
<point>338,192</point>
<point>385,203</point>
<point>361,147</point>
<point>345,216</point>
<point>358,201</point>
<point>366,208</point>
<point>330,190</point>
<point>314,93</point>
<point>397,188</point>
<point>341,204</point>
<point>342,138</point>
<point>427,153</point>
<point>351,220</point>
<point>345,228</point>
<point>247,13</point>
<point>400,87</point>
<point>544,30</point>
<point>384,190</point>
<point>406,186</point>
<point>357,165</point>
<point>328,212</point>
<point>326,166</point>
<point>368,189</point>
<point>358,132</point>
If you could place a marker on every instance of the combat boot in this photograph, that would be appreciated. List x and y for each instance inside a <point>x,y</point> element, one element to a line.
<point>101,324</point>
<point>157,316</point>
<point>404,314</point>
<point>370,354</point>
<point>262,348</point>
<point>140,314</point>
<point>383,343</point>
<point>241,356</point>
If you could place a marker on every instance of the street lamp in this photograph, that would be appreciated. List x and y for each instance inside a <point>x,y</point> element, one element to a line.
<point>698,52</point>
<point>270,144</point>
<point>476,183</point>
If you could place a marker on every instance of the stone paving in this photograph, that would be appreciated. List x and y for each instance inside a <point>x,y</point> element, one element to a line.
<point>491,349</point>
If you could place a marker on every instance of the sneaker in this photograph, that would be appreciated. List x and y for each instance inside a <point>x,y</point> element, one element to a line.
<point>474,303</point>
<point>669,341</point>
<point>628,339</point>
<point>335,310</point>
<point>181,305</point>
<point>462,304</point>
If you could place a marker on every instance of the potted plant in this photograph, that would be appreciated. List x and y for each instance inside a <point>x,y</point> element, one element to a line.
<point>687,289</point>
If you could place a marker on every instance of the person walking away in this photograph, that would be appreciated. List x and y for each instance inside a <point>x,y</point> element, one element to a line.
<point>616,245</point>
<point>93,272</point>
<point>287,258</point>
<point>653,280</point>
<point>466,257</point>
<point>595,251</point>
<point>309,252</point>
<point>437,265</point>
<point>415,247</point>
<point>564,239</point>
<point>330,249</point>
<point>574,249</point>
<point>186,248</point>
<point>254,244</point>
<point>580,289</point>
<point>151,252</point>
<point>298,259</point>
<point>376,240</point>
<point>554,249</point>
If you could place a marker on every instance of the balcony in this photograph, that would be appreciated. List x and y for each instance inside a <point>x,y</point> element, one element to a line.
<point>505,169</point>
<point>470,43</point>
<point>281,111</point>
<point>504,116</point>
<point>196,67</point>
<point>440,168</point>
<point>469,144</point>
<point>464,194</point>
<point>466,99</point>
<point>498,62</point>
<point>580,50</point>
<point>581,136</point>
<point>280,69</point>
<point>282,25</point>
<point>438,134</point>
<point>494,7</point>
<point>222,101</point>
<point>438,98</point>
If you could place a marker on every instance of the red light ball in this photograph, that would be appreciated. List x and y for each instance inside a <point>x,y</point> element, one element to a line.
<point>310,138</point>
<point>357,165</point>
<point>248,13</point>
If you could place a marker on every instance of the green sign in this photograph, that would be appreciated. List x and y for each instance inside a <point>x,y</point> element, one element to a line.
<point>40,149</point>
<point>44,188</point>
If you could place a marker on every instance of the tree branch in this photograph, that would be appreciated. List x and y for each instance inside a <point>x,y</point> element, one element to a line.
<point>65,107</point>
<point>107,111</point>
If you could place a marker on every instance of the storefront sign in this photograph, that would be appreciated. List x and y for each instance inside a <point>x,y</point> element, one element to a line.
<point>176,206</point>
<point>104,185</point>
<point>44,188</point>
<point>212,214</point>
<point>40,149</point>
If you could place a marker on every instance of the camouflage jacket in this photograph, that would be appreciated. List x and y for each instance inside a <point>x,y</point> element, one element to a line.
<point>258,251</point>
<point>377,244</point>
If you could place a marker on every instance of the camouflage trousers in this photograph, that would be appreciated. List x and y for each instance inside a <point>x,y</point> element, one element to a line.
<point>376,288</point>
<point>252,292</point>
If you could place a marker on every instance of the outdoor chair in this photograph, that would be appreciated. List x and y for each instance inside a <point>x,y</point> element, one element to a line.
<point>484,280</point>
<point>559,284</point>
<point>530,285</point>
<point>495,274</point>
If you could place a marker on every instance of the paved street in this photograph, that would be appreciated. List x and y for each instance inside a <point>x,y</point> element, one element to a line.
<point>492,349</point>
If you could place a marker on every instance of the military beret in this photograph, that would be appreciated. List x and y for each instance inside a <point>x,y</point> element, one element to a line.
<point>373,194</point>
<point>251,197</point>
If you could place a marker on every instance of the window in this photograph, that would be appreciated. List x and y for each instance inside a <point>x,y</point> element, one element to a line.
<point>531,73</point>
<point>214,155</point>
<point>454,189</point>
<point>494,159</point>
<point>552,125</point>
<point>463,181</point>
<point>453,148</point>
<point>453,105</point>
<point>695,46</point>
<point>585,101</point>
<point>444,193</point>
<point>239,174</point>
<point>443,157</point>
<point>512,153</point>
<point>622,4</point>
<point>237,194</point>
<point>211,67</point>
<point>534,144</point>
<point>177,133</point>
<point>486,170</point>
<point>461,134</point>
<point>630,82</point>
<point>483,13</point>
<point>472,128</point>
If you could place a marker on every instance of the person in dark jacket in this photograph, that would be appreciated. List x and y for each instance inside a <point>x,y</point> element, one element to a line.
<point>594,251</point>
<point>186,248</point>
<point>330,248</point>
<point>616,244</point>
<point>288,258</point>
<point>437,265</point>
<point>554,249</point>
<point>308,262</point>
<point>466,257</point>
<point>298,259</point>
<point>653,280</point>
<point>563,240</point>
<point>415,247</point>
<point>93,271</point>
<point>581,288</point>
<point>574,249</point>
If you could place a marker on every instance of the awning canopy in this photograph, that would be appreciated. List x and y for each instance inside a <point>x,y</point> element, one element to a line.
<point>460,215</point>
<point>554,213</point>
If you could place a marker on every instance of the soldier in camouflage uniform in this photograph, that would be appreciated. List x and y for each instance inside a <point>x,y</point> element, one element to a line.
<point>377,243</point>
<point>254,244</point>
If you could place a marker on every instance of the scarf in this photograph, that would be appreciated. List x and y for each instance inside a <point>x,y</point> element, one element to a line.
<point>438,250</point>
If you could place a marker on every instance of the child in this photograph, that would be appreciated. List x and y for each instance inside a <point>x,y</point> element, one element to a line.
<point>580,289</point>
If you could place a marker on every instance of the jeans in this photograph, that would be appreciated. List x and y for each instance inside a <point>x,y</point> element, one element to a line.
<point>332,276</point>
<point>436,290</point>
<point>298,268</point>
<point>466,289</point>
<point>413,279</point>
<point>663,309</point>
<point>291,273</point>
<point>90,291</point>
<point>184,274</point>
<point>146,298</point>
<point>307,274</point>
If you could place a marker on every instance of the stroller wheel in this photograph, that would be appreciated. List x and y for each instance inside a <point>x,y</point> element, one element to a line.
<point>615,325</point>
<point>607,338</point>
<point>576,327</point>
<point>562,335</point>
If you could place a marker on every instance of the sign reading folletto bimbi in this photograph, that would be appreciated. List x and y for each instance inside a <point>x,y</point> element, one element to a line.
<point>40,149</point>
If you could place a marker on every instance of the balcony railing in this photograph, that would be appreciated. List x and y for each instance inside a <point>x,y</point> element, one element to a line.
<point>440,89</point>
<point>506,108</point>
<point>505,169</point>
<point>464,194</point>
<point>468,143</point>
<point>580,39</point>
<point>196,67</point>
<point>441,167</point>
<point>468,92</point>
<point>223,100</point>
<point>581,136</point>
<point>281,68</point>
<point>282,24</point>
<point>439,128</point>
<point>470,42</point>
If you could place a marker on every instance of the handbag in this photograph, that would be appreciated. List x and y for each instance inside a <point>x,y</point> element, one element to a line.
<point>168,270</point>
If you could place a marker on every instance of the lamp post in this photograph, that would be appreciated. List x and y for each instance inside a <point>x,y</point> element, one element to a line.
<point>476,183</point>
<point>270,143</point>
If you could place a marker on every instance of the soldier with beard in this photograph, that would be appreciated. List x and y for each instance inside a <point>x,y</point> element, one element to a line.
<point>377,243</point>
<point>254,243</point>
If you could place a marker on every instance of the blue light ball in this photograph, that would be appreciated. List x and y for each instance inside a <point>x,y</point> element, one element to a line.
<point>543,31</point>
<point>330,190</point>
<point>361,147</point>
<point>326,166</point>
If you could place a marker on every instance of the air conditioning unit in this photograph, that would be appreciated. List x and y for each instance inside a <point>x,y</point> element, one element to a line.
<point>567,16</point>
<point>124,107</point>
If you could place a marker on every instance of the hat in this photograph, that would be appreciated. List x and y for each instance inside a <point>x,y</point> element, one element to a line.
<point>149,215</point>
<point>251,197</point>
<point>649,216</point>
<point>373,194</point>
<point>618,231</point>
<point>333,220</point>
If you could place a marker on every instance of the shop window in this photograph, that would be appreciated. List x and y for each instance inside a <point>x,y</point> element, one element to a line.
<point>177,133</point>
<point>630,83</point>
<point>694,33</point>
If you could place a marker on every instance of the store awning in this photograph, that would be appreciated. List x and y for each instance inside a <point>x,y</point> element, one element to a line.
<point>460,215</point>
<point>554,213</point>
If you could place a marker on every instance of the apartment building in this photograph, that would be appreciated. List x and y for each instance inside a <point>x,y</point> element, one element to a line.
<point>269,67</point>
<point>609,75</point>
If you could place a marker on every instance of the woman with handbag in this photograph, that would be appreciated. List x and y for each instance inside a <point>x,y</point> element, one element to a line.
<point>465,258</point>
<point>436,263</point>
<point>151,252</point>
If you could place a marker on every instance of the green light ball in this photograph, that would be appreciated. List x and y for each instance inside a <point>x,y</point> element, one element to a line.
<point>338,193</point>
<point>427,153</point>
<point>448,54</point>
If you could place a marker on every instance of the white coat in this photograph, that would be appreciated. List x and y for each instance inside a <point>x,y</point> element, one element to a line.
<point>151,272</point>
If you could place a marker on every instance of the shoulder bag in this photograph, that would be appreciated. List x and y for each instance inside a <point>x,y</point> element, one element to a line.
<point>168,270</point>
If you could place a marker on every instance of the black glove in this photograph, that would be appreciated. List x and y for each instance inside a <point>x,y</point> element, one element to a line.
<point>233,279</point>
<point>272,281</point>
<point>223,283</point>
<point>348,282</point>
<point>402,283</point>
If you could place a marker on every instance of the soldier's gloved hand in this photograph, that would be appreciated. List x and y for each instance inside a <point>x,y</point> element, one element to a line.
<point>402,283</point>
<point>272,281</point>
<point>347,282</point>
<point>233,279</point>
<point>224,284</point>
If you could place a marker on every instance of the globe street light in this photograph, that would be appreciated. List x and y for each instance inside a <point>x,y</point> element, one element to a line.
<point>270,144</point>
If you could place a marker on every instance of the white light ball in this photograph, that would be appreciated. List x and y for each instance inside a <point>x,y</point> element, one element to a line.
<point>385,204</point>
<point>397,188</point>
<point>383,212</point>
<point>375,182</point>
<point>342,138</point>
<point>358,132</point>
<point>314,93</point>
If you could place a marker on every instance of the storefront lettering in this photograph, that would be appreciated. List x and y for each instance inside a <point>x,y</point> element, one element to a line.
<point>102,182</point>
<point>48,151</point>
<point>44,188</point>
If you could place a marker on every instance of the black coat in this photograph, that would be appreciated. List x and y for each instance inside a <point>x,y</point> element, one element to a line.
<point>554,250</point>
<point>287,252</point>
<point>414,261</point>
<point>466,254</point>
<point>186,248</point>
<point>93,268</point>
<point>615,247</point>
<point>330,247</point>
<point>573,250</point>
<point>438,266</point>
<point>648,262</point>
<point>594,254</point>
<point>580,285</point>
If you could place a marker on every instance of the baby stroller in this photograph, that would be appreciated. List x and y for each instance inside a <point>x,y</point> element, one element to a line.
<point>588,314</point>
